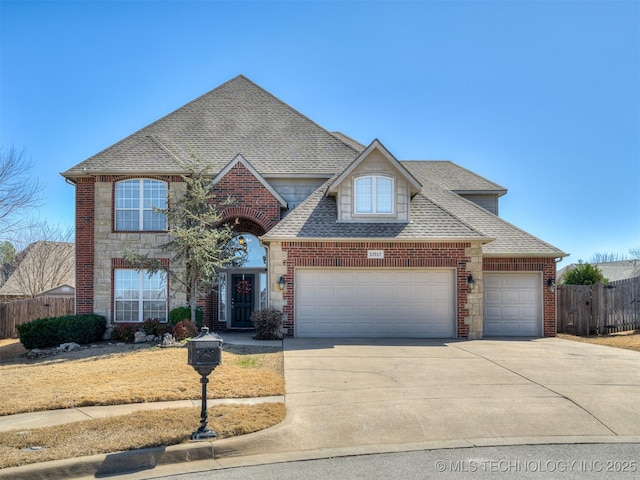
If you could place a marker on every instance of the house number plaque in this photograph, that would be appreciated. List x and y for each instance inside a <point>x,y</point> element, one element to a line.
<point>375,253</point>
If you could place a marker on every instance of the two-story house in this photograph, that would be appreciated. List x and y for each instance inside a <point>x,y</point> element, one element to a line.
<point>342,237</point>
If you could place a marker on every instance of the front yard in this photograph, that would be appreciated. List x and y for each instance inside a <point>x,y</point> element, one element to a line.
<point>628,340</point>
<point>118,374</point>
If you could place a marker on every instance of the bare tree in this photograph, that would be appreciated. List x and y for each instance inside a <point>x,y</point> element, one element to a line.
<point>46,261</point>
<point>607,257</point>
<point>19,191</point>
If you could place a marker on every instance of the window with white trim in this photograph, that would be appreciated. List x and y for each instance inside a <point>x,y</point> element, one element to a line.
<point>139,295</point>
<point>373,194</point>
<point>135,201</point>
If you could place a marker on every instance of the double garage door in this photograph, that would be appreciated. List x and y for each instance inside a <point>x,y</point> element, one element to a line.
<point>512,304</point>
<point>375,303</point>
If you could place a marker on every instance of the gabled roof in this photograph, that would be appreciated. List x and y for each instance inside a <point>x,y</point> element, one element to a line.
<point>238,117</point>
<point>240,159</point>
<point>317,218</point>
<point>437,213</point>
<point>44,265</point>
<point>414,185</point>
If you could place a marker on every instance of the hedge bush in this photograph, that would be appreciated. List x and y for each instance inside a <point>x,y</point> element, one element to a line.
<point>51,332</point>
<point>267,322</point>
<point>153,326</point>
<point>184,313</point>
<point>124,332</point>
<point>184,329</point>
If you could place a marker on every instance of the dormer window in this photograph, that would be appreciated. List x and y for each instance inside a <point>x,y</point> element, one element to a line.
<point>135,204</point>
<point>374,195</point>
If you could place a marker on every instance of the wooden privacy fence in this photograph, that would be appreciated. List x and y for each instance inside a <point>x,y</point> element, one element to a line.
<point>599,309</point>
<point>16,312</point>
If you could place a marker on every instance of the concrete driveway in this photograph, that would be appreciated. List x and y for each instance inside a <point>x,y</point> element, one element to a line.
<point>357,396</point>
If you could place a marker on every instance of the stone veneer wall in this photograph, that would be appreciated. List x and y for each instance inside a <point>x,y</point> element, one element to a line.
<point>110,246</point>
<point>376,164</point>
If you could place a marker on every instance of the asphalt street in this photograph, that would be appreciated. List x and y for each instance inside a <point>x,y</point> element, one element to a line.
<point>539,462</point>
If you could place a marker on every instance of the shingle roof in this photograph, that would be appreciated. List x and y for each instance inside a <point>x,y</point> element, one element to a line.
<point>509,239</point>
<point>452,176</point>
<point>316,218</point>
<point>44,265</point>
<point>238,117</point>
<point>436,213</point>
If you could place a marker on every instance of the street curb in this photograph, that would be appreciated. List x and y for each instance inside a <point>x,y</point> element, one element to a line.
<point>106,465</point>
<point>130,463</point>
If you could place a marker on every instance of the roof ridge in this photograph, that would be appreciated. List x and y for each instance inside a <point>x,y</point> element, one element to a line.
<point>295,110</point>
<point>451,214</point>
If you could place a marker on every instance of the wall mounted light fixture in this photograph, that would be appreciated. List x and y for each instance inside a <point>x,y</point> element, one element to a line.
<point>281,282</point>
<point>551,284</point>
<point>471,283</point>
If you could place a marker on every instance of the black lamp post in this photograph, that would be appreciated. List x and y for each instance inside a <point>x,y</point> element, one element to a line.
<point>205,354</point>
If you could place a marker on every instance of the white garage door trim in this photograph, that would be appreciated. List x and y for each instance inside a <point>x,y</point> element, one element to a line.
<point>408,303</point>
<point>512,304</point>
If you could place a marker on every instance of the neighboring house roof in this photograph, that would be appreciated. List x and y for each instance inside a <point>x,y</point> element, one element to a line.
<point>612,271</point>
<point>44,266</point>
<point>238,117</point>
<point>64,290</point>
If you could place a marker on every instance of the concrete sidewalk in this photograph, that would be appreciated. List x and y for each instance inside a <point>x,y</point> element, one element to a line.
<point>355,396</point>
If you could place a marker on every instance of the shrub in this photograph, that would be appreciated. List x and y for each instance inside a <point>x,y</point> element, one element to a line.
<point>267,322</point>
<point>184,329</point>
<point>153,326</point>
<point>184,313</point>
<point>51,332</point>
<point>124,332</point>
<point>584,274</point>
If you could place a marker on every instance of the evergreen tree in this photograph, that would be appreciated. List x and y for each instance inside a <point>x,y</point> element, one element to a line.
<point>199,245</point>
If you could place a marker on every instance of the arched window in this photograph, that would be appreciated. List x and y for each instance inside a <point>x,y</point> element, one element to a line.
<point>135,201</point>
<point>373,194</point>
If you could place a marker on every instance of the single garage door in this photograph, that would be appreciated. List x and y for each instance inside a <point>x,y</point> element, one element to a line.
<point>375,303</point>
<point>512,304</point>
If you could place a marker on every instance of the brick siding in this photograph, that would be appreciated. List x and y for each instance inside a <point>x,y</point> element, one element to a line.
<point>397,255</point>
<point>85,219</point>
<point>251,199</point>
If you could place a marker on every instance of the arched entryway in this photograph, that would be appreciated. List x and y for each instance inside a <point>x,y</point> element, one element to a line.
<point>244,289</point>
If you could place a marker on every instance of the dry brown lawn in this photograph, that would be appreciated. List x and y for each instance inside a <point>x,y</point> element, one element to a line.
<point>117,374</point>
<point>129,432</point>
<point>628,340</point>
<point>130,373</point>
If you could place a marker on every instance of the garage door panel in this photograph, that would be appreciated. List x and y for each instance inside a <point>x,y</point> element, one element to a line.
<point>400,303</point>
<point>512,304</point>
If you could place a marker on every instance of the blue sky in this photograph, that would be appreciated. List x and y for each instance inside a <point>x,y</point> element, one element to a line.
<point>542,97</point>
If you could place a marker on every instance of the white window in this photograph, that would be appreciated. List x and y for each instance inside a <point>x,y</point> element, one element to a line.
<point>374,194</point>
<point>139,296</point>
<point>135,202</point>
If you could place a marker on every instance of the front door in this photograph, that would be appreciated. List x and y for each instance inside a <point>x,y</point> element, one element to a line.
<point>242,300</point>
